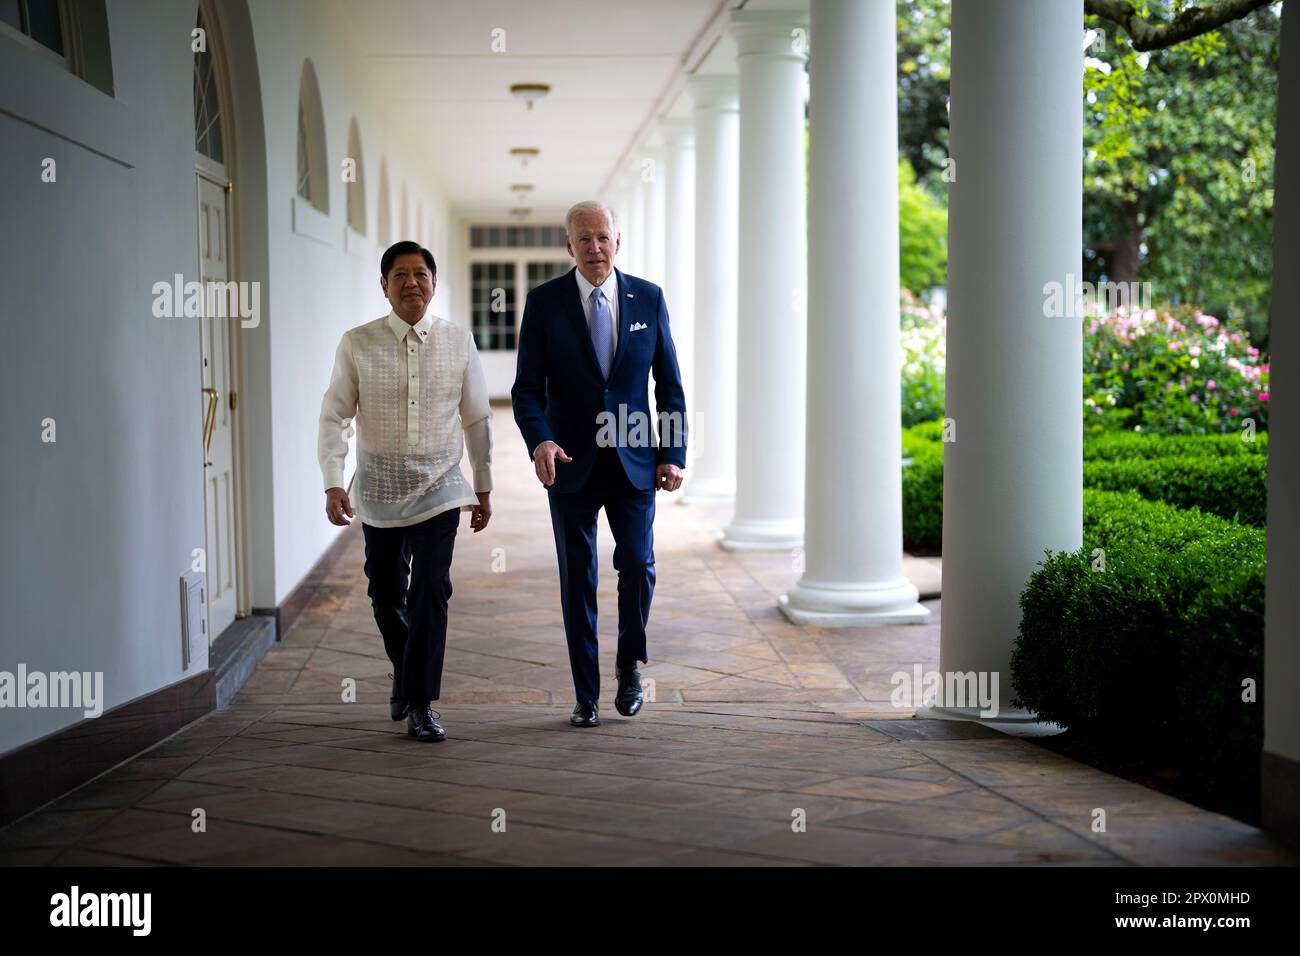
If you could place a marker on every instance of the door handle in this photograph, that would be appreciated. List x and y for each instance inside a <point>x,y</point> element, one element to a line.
<point>209,423</point>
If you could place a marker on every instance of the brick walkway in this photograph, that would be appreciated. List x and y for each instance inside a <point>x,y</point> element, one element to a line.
<point>755,723</point>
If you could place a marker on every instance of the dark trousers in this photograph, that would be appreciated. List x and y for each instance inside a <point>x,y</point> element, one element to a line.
<point>409,570</point>
<point>631,513</point>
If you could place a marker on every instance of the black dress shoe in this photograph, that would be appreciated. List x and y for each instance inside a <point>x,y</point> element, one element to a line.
<point>397,705</point>
<point>629,698</point>
<point>422,724</point>
<point>584,714</point>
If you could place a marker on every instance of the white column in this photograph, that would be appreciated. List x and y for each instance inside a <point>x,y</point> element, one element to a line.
<point>652,158</point>
<point>624,191</point>
<point>711,474</point>
<point>772,299</point>
<point>633,235</point>
<point>1280,762</point>
<point>679,250</point>
<point>616,198</point>
<point>1013,476</point>
<point>854,509</point>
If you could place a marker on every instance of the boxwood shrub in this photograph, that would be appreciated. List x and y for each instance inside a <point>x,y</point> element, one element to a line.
<point>1219,474</point>
<point>1126,444</point>
<point>1152,650</point>
<point>923,488</point>
<point>1232,486</point>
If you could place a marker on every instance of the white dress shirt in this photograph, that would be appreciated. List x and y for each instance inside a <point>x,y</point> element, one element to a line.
<point>609,290</point>
<point>419,398</point>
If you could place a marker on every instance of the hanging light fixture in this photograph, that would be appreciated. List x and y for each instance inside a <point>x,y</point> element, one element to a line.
<point>521,212</point>
<point>529,92</point>
<point>524,154</point>
<point>521,189</point>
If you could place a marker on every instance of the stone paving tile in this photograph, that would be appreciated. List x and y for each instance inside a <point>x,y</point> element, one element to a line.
<point>79,856</point>
<point>667,793</point>
<point>29,856</point>
<point>1182,839</point>
<point>55,828</point>
<point>1045,835</point>
<point>921,820</point>
<point>1077,800</point>
<point>698,828</point>
<point>694,858</point>
<point>780,806</point>
<point>764,778</point>
<point>105,793</point>
<point>194,791</point>
<point>834,846</point>
<point>755,723</point>
<point>430,832</point>
<point>334,851</point>
<point>285,811</point>
<point>523,845</point>
<point>883,788</point>
<point>168,838</point>
<point>868,760</point>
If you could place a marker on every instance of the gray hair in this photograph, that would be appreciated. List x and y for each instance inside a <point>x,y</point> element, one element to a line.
<point>589,206</point>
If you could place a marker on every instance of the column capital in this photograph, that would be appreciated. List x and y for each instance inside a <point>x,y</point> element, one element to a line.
<point>780,34</point>
<point>714,91</point>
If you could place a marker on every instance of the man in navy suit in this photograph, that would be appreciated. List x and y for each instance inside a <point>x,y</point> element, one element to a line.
<point>588,342</point>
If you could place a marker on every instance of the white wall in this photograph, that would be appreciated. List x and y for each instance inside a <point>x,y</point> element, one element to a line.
<point>100,524</point>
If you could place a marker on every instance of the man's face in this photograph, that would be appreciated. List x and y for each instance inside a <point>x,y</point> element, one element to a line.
<point>409,286</point>
<point>593,245</point>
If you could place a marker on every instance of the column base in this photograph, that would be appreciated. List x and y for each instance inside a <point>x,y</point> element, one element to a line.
<point>762,536</point>
<point>891,602</point>
<point>1014,721</point>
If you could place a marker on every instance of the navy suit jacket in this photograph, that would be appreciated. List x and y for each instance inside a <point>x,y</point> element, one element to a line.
<point>559,392</point>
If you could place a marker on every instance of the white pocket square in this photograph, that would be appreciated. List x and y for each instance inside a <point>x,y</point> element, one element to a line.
<point>638,326</point>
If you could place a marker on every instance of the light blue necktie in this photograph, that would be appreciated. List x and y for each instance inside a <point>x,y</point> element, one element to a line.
<point>602,332</point>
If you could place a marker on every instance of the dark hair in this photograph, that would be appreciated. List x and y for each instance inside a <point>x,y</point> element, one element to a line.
<point>404,248</point>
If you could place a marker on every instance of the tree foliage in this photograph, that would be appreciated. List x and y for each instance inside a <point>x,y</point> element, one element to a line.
<point>923,234</point>
<point>1178,165</point>
<point>1178,151</point>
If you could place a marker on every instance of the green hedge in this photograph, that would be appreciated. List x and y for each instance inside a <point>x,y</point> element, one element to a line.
<point>926,431</point>
<point>922,494</point>
<point>1116,445</point>
<point>1219,474</point>
<point>1232,486</point>
<point>1152,650</point>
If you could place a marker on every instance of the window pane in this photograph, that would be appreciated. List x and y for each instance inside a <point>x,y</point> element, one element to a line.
<point>207,106</point>
<point>493,284</point>
<point>43,23</point>
<point>539,272</point>
<point>304,166</point>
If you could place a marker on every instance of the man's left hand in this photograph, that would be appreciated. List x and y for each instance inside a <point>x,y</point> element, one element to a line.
<point>668,478</point>
<point>481,513</point>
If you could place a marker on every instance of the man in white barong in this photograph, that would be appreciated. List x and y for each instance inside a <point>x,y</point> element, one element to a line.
<point>414,385</point>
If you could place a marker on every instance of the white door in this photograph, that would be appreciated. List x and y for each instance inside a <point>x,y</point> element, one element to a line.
<point>220,487</point>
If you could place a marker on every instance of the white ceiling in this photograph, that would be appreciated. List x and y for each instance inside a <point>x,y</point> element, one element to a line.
<point>609,65</point>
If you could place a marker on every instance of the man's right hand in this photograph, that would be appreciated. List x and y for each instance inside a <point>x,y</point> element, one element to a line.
<point>337,506</point>
<point>544,456</point>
